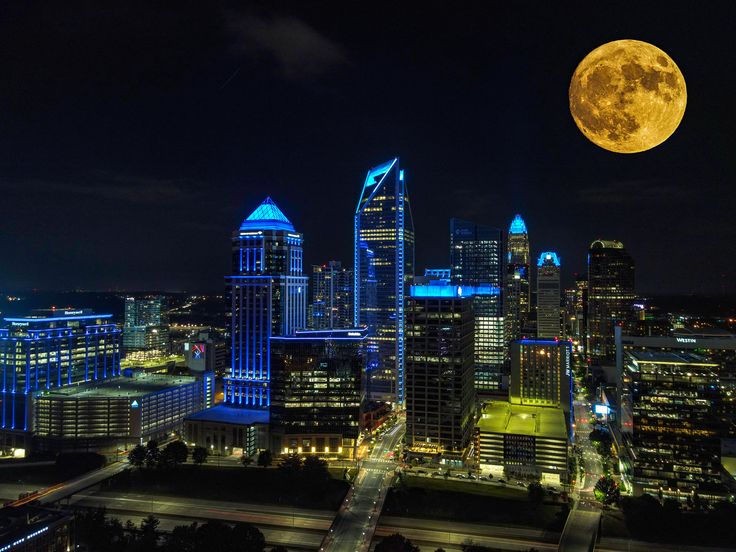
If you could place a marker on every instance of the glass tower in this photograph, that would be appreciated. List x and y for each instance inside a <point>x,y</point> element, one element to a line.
<point>517,296</point>
<point>476,259</point>
<point>268,298</point>
<point>610,294</point>
<point>384,264</point>
<point>332,295</point>
<point>548,295</point>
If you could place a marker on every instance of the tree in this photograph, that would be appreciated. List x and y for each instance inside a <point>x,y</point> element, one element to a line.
<point>149,534</point>
<point>265,458</point>
<point>137,456</point>
<point>199,455</point>
<point>535,492</point>
<point>279,548</point>
<point>174,454</point>
<point>246,460</point>
<point>247,538</point>
<point>182,539</point>
<point>153,454</point>
<point>315,469</point>
<point>606,490</point>
<point>214,535</point>
<point>291,465</point>
<point>396,543</point>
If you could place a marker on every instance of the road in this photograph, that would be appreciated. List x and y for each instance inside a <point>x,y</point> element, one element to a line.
<point>356,520</point>
<point>291,527</point>
<point>591,460</point>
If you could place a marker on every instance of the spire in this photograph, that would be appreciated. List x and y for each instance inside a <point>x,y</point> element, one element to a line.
<point>517,226</point>
<point>267,216</point>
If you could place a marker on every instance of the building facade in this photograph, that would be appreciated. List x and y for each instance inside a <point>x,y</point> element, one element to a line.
<point>548,295</point>
<point>671,425</point>
<point>43,353</point>
<point>316,391</point>
<point>384,266</point>
<point>117,413</point>
<point>610,295</point>
<point>476,259</point>
<point>332,296</point>
<point>523,441</point>
<point>517,285</point>
<point>268,293</point>
<point>146,327</point>
<point>541,374</point>
<point>440,397</point>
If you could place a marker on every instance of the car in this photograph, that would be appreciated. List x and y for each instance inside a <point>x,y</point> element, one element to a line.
<point>421,472</point>
<point>502,481</point>
<point>460,476</point>
<point>470,476</point>
<point>436,474</point>
<point>521,484</point>
<point>483,478</point>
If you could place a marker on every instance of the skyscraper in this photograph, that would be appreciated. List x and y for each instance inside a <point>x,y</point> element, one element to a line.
<point>146,327</point>
<point>316,391</point>
<point>332,293</point>
<point>268,298</point>
<point>517,296</point>
<point>440,397</point>
<point>610,294</point>
<point>384,265</point>
<point>548,295</point>
<point>476,259</point>
<point>541,373</point>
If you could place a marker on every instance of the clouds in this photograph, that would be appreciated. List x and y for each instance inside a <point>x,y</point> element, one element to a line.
<point>301,52</point>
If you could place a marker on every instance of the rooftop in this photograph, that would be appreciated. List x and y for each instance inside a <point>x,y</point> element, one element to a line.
<point>267,216</point>
<point>661,357</point>
<point>548,258</point>
<point>515,419</point>
<point>122,386</point>
<point>518,226</point>
<point>231,415</point>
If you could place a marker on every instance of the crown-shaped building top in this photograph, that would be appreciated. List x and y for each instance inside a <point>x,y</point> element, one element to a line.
<point>548,258</point>
<point>518,226</point>
<point>267,216</point>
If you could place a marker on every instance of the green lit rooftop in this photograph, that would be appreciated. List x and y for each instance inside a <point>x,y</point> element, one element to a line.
<point>516,419</point>
<point>136,386</point>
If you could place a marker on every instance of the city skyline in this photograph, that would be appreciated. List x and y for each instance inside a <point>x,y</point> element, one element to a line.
<point>188,161</point>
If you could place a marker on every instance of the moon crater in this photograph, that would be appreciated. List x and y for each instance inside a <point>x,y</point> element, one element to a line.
<point>627,96</point>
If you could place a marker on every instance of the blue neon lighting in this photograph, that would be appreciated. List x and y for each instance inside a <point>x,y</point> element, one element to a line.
<point>518,226</point>
<point>267,216</point>
<point>443,290</point>
<point>58,318</point>
<point>547,258</point>
<point>374,179</point>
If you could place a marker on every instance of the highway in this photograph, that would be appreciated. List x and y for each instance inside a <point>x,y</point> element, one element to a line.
<point>356,520</point>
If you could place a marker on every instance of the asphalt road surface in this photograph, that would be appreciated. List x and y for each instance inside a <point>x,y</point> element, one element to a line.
<point>357,518</point>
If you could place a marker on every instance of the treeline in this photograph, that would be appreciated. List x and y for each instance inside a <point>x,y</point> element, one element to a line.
<point>96,532</point>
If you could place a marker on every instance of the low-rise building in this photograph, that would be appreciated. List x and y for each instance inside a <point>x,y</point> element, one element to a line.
<point>35,529</point>
<point>117,413</point>
<point>530,442</point>
<point>228,430</point>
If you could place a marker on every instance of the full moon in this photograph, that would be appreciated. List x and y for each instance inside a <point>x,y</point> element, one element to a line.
<point>627,96</point>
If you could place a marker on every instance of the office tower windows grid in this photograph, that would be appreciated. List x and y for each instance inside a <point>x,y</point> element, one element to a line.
<point>332,291</point>
<point>517,288</point>
<point>548,295</point>
<point>268,298</point>
<point>476,259</point>
<point>384,265</point>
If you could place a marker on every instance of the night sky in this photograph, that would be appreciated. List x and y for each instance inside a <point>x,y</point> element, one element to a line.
<point>134,138</point>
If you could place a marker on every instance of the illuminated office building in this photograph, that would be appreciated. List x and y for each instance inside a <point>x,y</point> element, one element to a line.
<point>578,311</point>
<point>517,289</point>
<point>145,327</point>
<point>332,296</point>
<point>476,259</point>
<point>610,295</point>
<point>440,398</point>
<point>548,295</point>
<point>541,373</point>
<point>384,265</point>
<point>670,425</point>
<point>43,353</point>
<point>316,391</point>
<point>268,296</point>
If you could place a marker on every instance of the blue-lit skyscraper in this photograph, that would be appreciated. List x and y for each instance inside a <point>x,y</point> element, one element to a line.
<point>268,292</point>
<point>476,259</point>
<point>43,353</point>
<point>517,289</point>
<point>548,295</point>
<point>384,264</point>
